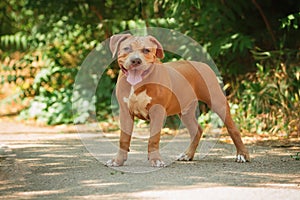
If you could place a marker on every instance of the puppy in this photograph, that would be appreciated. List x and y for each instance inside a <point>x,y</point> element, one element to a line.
<point>151,90</point>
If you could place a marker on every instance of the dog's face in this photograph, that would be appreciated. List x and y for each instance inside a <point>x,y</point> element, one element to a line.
<point>136,54</point>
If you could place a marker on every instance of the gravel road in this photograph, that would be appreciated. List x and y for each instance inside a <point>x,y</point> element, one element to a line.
<point>61,166</point>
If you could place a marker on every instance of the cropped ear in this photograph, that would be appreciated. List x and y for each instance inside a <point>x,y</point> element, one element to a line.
<point>159,49</point>
<point>115,41</point>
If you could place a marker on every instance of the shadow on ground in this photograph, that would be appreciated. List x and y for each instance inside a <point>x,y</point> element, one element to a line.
<point>58,166</point>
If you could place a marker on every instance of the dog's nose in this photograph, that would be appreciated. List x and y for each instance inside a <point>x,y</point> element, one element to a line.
<point>136,61</point>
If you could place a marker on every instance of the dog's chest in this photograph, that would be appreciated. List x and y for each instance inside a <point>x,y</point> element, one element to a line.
<point>137,103</point>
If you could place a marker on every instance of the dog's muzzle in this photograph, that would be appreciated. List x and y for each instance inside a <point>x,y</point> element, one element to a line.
<point>134,69</point>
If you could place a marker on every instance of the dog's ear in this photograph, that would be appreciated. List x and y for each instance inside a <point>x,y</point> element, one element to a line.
<point>159,50</point>
<point>115,41</point>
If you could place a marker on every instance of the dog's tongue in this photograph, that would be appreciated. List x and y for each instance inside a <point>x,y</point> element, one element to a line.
<point>134,76</point>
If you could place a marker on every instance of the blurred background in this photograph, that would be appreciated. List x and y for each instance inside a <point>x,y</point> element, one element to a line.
<point>254,43</point>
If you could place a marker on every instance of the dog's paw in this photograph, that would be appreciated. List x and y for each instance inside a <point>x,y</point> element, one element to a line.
<point>113,163</point>
<point>240,159</point>
<point>242,156</point>
<point>155,159</point>
<point>118,160</point>
<point>183,157</point>
<point>157,163</point>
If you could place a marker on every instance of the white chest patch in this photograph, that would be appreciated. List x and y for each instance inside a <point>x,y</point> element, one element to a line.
<point>138,103</point>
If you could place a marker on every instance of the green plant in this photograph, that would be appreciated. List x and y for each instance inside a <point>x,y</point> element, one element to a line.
<point>270,98</point>
<point>296,156</point>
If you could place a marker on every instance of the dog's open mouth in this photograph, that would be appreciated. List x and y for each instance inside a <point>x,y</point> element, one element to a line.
<point>125,71</point>
<point>134,75</point>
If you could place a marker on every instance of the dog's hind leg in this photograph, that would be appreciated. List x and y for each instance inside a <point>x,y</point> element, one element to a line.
<point>221,107</point>
<point>242,152</point>
<point>188,118</point>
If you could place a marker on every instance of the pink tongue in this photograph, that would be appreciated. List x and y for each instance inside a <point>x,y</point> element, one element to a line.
<point>134,76</point>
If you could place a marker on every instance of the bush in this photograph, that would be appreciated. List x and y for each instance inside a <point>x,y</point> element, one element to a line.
<point>269,98</point>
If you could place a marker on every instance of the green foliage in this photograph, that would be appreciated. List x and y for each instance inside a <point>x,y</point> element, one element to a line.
<point>296,156</point>
<point>210,118</point>
<point>55,51</point>
<point>291,21</point>
<point>51,107</point>
<point>270,97</point>
<point>104,94</point>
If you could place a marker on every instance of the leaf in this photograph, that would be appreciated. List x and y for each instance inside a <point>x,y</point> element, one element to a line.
<point>226,46</point>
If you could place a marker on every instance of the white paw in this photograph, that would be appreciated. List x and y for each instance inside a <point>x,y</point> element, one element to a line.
<point>240,159</point>
<point>183,157</point>
<point>157,163</point>
<point>111,163</point>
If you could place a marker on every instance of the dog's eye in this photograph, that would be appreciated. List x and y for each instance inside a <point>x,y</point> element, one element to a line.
<point>126,49</point>
<point>146,51</point>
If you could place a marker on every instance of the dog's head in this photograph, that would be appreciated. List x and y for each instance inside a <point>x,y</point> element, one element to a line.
<point>136,54</point>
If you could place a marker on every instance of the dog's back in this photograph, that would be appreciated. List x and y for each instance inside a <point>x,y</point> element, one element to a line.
<point>197,75</point>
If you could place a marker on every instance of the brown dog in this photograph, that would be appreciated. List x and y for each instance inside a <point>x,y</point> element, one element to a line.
<point>150,90</point>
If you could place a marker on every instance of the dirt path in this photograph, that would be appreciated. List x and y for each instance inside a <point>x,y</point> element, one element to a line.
<point>58,166</point>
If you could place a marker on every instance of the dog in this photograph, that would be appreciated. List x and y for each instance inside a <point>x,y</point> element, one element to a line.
<point>151,90</point>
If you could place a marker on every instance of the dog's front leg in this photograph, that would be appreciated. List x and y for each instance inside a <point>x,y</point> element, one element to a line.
<point>126,125</point>
<point>157,116</point>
